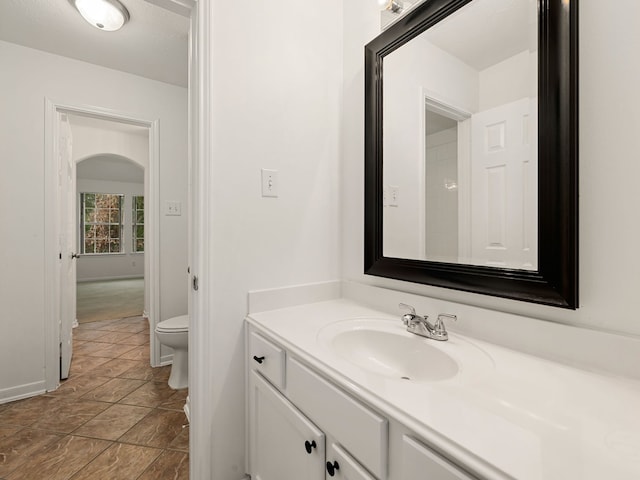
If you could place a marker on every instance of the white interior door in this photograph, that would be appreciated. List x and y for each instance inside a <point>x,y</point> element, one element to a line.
<point>68,240</point>
<point>504,178</point>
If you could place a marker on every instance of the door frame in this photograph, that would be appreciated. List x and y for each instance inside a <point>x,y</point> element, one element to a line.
<point>52,210</point>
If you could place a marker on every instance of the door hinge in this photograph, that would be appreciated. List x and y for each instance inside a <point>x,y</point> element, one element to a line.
<point>60,256</point>
<point>195,283</point>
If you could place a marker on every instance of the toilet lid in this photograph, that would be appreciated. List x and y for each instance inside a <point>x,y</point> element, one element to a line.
<point>175,324</point>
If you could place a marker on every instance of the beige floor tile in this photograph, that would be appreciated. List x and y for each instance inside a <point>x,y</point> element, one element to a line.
<point>141,371</point>
<point>78,385</point>
<point>128,327</point>
<point>112,423</point>
<point>151,394</point>
<point>176,401</point>
<point>119,461</point>
<point>88,335</point>
<point>112,350</point>
<point>99,325</point>
<point>59,460</point>
<point>158,429</point>
<point>114,337</point>
<point>80,432</point>
<point>136,339</point>
<point>137,353</point>
<point>27,412</point>
<point>116,367</point>
<point>66,416</point>
<point>82,364</point>
<point>168,466</point>
<point>88,347</point>
<point>113,390</point>
<point>17,449</point>
<point>181,442</point>
<point>6,431</point>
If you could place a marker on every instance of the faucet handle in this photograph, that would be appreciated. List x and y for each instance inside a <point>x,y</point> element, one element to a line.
<point>407,307</point>
<point>439,328</point>
<point>408,317</point>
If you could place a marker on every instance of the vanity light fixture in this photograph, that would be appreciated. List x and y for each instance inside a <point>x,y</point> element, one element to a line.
<point>394,6</point>
<point>108,15</point>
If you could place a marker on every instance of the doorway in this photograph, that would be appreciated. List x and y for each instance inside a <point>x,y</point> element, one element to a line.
<point>62,247</point>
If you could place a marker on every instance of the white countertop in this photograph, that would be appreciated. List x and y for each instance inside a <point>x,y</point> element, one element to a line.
<point>506,415</point>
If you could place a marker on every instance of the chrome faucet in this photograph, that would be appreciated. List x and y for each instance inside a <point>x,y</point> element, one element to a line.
<point>419,325</point>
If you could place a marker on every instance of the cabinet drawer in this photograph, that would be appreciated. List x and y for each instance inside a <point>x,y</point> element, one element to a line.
<point>419,461</point>
<point>267,358</point>
<point>347,467</point>
<point>361,431</point>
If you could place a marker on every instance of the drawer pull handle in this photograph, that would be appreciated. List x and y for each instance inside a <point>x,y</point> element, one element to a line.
<point>332,467</point>
<point>258,359</point>
<point>309,446</point>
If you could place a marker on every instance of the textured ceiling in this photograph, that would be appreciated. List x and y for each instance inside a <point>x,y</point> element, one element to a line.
<point>154,44</point>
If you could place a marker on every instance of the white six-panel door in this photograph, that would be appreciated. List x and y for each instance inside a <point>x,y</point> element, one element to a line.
<point>504,179</point>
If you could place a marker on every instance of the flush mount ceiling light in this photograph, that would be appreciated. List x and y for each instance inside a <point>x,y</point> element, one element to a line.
<point>109,15</point>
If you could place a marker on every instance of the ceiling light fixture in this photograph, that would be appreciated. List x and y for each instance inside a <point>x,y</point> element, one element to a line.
<point>109,15</point>
<point>395,6</point>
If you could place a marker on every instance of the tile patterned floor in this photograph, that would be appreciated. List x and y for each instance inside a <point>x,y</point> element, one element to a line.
<point>115,418</point>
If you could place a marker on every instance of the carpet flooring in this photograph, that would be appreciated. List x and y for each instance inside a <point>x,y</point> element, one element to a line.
<point>109,299</point>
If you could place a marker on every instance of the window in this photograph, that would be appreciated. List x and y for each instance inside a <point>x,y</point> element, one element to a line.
<point>137,224</point>
<point>101,219</point>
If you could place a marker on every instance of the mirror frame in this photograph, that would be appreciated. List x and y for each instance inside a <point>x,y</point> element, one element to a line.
<point>556,280</point>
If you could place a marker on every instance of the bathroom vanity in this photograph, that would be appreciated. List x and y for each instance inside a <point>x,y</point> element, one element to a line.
<point>336,389</point>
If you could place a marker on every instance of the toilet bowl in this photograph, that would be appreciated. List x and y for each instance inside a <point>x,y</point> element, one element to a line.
<point>174,333</point>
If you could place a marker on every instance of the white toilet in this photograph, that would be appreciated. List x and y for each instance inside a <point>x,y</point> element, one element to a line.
<point>174,333</point>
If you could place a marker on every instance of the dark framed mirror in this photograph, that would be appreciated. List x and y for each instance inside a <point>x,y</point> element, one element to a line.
<point>471,149</point>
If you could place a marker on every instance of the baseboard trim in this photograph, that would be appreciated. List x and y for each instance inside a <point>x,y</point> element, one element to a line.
<point>166,360</point>
<point>22,391</point>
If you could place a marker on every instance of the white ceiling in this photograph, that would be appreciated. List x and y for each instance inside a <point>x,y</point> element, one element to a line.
<point>485,32</point>
<point>153,44</point>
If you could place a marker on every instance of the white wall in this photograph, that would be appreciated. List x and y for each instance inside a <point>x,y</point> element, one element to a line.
<point>28,77</point>
<point>416,69</point>
<point>126,264</point>
<point>609,171</point>
<point>89,140</point>
<point>276,104</point>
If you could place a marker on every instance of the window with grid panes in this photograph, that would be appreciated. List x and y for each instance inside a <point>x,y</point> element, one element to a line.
<point>137,224</point>
<point>101,220</point>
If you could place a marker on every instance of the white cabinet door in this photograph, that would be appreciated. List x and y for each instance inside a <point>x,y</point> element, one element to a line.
<point>285,445</point>
<point>420,462</point>
<point>342,466</point>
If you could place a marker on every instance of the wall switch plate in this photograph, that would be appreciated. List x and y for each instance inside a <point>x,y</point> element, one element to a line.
<point>173,208</point>
<point>394,194</point>
<point>269,183</point>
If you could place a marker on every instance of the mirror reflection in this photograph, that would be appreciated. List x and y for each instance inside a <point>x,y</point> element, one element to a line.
<point>460,139</point>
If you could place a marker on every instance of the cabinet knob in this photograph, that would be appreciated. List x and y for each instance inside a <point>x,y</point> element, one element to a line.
<point>332,467</point>
<point>309,446</point>
<point>258,359</point>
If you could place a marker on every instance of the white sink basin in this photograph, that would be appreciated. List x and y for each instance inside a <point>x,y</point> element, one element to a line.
<point>383,347</point>
<point>393,355</point>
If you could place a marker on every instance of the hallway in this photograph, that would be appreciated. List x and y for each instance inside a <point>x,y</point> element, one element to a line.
<point>114,419</point>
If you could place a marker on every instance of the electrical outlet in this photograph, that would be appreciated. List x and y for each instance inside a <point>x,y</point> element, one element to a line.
<point>269,183</point>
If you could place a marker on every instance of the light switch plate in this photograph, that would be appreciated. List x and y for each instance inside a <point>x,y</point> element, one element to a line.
<point>173,208</point>
<point>269,183</point>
